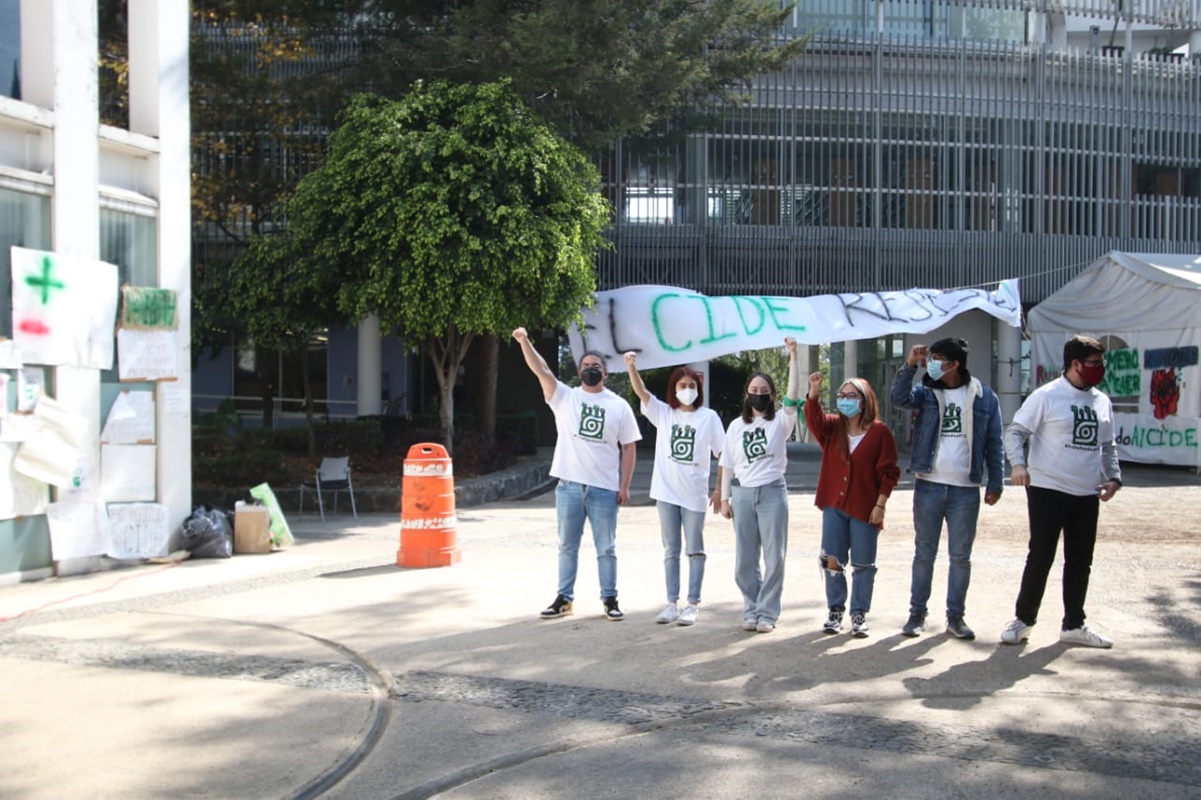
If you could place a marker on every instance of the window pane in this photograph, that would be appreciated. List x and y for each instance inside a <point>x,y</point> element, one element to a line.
<point>24,222</point>
<point>129,241</point>
<point>10,48</point>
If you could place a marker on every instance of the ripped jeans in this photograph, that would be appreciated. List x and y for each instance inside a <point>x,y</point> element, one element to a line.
<point>843,536</point>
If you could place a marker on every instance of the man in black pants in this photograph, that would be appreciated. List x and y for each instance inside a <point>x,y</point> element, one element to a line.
<point>1073,467</point>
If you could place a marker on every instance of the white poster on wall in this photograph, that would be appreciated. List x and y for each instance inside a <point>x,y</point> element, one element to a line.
<point>138,530</point>
<point>20,495</point>
<point>127,472</point>
<point>77,530</point>
<point>146,355</point>
<point>130,420</point>
<point>64,309</point>
<point>51,455</point>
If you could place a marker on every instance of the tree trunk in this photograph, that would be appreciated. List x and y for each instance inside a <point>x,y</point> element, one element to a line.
<point>485,394</point>
<point>266,388</point>
<point>447,354</point>
<point>308,398</point>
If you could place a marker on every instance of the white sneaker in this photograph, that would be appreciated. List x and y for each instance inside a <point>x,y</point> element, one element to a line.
<point>689,615</point>
<point>1084,636</point>
<point>1015,632</point>
<point>669,614</point>
<point>765,626</point>
<point>859,626</point>
<point>749,624</point>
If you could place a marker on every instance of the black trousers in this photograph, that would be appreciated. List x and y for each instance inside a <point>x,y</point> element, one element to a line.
<point>1052,512</point>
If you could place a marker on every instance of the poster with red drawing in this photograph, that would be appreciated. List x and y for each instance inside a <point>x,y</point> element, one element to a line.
<point>64,309</point>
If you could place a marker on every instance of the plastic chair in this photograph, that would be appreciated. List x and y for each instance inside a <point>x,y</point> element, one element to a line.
<point>333,475</point>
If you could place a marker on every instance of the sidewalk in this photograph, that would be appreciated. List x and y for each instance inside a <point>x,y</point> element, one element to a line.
<point>325,670</point>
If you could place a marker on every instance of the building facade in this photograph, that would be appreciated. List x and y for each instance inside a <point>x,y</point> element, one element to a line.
<point>74,187</point>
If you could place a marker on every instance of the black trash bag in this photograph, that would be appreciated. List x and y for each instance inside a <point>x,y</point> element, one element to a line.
<point>208,533</point>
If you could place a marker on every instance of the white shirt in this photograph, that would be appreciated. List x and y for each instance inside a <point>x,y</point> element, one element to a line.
<point>684,448</point>
<point>756,451</point>
<point>1068,427</point>
<point>591,426</point>
<point>953,454</point>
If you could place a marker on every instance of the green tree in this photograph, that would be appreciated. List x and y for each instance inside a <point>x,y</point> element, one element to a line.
<point>597,70</point>
<point>451,214</point>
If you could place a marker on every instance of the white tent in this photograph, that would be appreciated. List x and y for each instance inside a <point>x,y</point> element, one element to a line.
<point>1146,309</point>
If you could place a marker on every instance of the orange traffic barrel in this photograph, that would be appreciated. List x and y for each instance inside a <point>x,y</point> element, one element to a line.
<point>427,509</point>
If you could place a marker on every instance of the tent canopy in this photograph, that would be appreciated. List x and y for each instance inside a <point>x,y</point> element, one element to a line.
<point>1126,292</point>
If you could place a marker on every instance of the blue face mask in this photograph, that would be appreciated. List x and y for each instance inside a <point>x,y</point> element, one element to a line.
<point>934,369</point>
<point>847,407</point>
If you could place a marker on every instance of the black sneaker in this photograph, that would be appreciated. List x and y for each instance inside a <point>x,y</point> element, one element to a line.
<point>959,629</point>
<point>612,611</point>
<point>914,625</point>
<point>560,608</point>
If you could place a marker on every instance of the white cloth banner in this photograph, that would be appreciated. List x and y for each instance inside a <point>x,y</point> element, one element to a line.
<point>667,326</point>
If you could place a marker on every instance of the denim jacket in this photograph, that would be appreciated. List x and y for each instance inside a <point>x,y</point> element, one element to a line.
<point>927,398</point>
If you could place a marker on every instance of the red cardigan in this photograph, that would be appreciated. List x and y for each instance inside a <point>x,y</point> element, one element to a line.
<point>852,485</point>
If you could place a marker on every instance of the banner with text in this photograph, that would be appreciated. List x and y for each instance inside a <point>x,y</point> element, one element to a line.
<point>667,326</point>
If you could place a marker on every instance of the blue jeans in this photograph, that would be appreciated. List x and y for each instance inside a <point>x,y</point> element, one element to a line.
<point>844,535</point>
<point>760,526</point>
<point>574,503</point>
<point>672,519</point>
<point>960,507</point>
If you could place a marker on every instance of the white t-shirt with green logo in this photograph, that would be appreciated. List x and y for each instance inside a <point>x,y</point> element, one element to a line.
<point>684,447</point>
<point>756,451</point>
<point>592,427</point>
<point>953,458</point>
<point>1068,426</point>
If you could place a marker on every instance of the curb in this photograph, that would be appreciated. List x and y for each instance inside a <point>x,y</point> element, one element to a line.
<point>506,484</point>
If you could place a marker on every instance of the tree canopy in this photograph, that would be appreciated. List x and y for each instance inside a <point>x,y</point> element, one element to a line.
<point>451,213</point>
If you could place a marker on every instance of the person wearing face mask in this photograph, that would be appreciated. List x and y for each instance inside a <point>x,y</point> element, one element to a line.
<point>689,436</point>
<point>750,475</point>
<point>594,462</point>
<point>858,473</point>
<point>956,448</point>
<point>1072,468</point>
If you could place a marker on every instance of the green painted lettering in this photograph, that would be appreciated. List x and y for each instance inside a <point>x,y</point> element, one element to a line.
<point>746,326</point>
<point>712,337</point>
<point>776,311</point>
<point>655,319</point>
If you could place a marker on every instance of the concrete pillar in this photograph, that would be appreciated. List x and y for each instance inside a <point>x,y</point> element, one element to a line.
<point>370,367</point>
<point>1008,384</point>
<point>850,360</point>
<point>158,107</point>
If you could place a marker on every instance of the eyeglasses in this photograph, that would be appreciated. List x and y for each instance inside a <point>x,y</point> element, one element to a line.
<point>847,396</point>
<point>1099,363</point>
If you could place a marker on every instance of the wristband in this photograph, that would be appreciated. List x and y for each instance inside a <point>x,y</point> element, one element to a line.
<point>882,508</point>
<point>792,403</point>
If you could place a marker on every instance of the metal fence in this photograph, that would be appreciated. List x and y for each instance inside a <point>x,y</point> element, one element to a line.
<point>907,161</point>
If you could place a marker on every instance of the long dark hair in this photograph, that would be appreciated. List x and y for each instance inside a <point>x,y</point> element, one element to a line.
<point>747,415</point>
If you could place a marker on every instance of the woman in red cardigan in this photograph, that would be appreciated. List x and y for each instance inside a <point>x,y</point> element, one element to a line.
<point>858,473</point>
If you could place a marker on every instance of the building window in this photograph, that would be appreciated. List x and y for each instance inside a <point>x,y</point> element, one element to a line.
<point>10,48</point>
<point>24,222</point>
<point>130,241</point>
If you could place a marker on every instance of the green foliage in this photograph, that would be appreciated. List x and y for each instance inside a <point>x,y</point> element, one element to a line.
<point>454,207</point>
<point>595,70</point>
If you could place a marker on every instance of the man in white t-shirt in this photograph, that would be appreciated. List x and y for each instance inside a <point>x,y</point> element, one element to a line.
<point>594,462</point>
<point>956,448</point>
<point>1072,468</point>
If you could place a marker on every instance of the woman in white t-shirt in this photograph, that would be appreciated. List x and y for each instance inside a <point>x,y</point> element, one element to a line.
<point>751,476</point>
<point>689,435</point>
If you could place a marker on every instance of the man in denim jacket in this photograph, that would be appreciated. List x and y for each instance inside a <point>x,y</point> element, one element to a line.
<point>952,451</point>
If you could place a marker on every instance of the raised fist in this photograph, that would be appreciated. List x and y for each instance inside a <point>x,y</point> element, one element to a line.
<point>520,335</point>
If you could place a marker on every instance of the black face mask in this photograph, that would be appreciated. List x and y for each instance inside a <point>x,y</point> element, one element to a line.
<point>759,402</point>
<point>592,376</point>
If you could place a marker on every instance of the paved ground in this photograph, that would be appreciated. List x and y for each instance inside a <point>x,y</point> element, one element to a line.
<point>325,670</point>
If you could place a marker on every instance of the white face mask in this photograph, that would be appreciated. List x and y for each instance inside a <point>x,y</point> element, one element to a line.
<point>686,396</point>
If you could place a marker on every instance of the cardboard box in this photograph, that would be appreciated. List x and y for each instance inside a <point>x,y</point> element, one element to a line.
<point>252,532</point>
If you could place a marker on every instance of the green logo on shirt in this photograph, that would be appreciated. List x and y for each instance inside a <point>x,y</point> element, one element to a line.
<point>683,443</point>
<point>592,422</point>
<point>952,419</point>
<point>1084,426</point>
<point>754,444</point>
